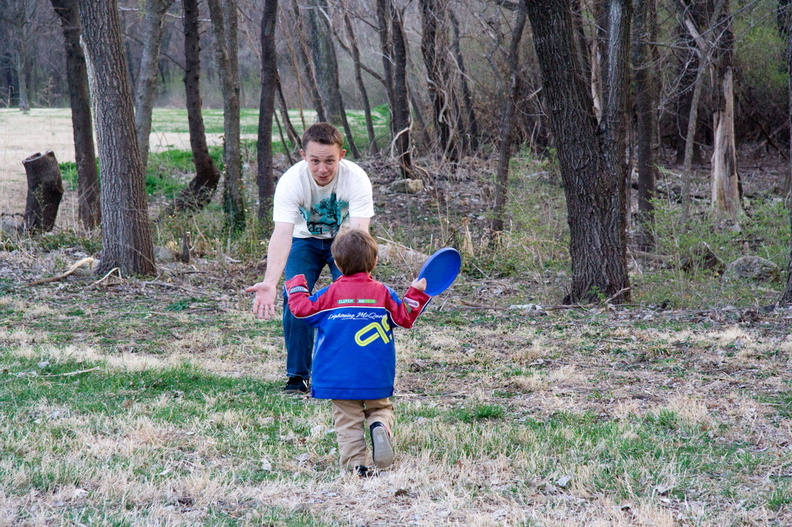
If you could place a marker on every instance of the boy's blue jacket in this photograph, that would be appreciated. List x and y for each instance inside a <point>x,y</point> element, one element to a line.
<point>354,352</point>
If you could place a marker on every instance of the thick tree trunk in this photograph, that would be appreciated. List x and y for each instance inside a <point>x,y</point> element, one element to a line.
<point>595,219</point>
<point>613,128</point>
<point>645,104</point>
<point>88,206</point>
<point>507,124</point>
<point>149,67</point>
<point>269,88</point>
<point>203,185</point>
<point>401,106</point>
<point>224,28</point>
<point>126,233</point>
<point>45,190</point>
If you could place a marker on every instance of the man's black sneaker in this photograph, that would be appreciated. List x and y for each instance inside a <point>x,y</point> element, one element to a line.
<point>363,471</point>
<point>295,385</point>
<point>382,450</point>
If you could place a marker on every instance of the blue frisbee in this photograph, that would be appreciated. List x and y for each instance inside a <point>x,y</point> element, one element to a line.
<point>440,270</point>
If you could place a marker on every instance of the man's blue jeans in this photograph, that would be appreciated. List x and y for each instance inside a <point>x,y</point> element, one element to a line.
<point>308,256</point>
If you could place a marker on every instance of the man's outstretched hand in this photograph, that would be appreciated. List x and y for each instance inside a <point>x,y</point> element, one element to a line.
<point>264,301</point>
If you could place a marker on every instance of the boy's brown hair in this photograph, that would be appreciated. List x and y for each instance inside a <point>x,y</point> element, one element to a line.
<point>323,133</point>
<point>355,251</point>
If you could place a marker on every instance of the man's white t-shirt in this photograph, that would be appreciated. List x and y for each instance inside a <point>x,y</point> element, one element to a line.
<point>318,212</point>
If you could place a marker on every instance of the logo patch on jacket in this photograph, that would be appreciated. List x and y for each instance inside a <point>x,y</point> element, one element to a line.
<point>298,289</point>
<point>374,331</point>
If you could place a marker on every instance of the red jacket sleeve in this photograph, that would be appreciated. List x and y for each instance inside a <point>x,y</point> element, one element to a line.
<point>297,292</point>
<point>412,305</point>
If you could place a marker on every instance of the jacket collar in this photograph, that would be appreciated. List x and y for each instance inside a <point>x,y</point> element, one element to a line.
<point>357,277</point>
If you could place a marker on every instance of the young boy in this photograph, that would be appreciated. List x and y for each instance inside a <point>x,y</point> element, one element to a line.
<point>354,353</point>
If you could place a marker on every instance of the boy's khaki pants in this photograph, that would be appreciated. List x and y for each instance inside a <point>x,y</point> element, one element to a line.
<point>349,417</point>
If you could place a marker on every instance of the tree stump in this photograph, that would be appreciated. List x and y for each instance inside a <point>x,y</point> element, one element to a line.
<point>45,190</point>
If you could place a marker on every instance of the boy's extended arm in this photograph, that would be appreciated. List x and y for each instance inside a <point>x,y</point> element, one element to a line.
<point>412,305</point>
<point>297,291</point>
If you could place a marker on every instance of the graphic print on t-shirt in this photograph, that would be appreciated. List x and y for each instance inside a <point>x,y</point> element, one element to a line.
<point>326,216</point>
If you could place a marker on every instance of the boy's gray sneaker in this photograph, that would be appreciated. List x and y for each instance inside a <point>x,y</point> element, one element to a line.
<point>382,450</point>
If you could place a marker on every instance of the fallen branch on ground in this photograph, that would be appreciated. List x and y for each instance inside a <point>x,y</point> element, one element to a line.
<point>61,276</point>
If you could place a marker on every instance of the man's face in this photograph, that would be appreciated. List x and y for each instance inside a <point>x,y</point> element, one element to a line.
<point>322,161</point>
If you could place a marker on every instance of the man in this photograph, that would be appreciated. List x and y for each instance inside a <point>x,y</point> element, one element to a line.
<point>314,199</point>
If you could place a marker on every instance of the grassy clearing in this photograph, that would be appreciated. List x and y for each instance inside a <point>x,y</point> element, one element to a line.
<point>166,416</point>
<point>157,401</point>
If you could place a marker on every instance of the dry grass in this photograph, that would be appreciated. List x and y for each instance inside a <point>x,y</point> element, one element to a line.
<point>584,417</point>
<point>503,420</point>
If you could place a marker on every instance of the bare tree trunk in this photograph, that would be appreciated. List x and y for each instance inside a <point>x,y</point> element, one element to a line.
<point>149,67</point>
<point>786,296</point>
<point>308,76</point>
<point>394,59</point>
<point>471,134</point>
<point>386,49</point>
<point>507,124</point>
<point>372,138</point>
<point>691,54</point>
<point>725,180</point>
<point>325,66</point>
<point>295,51</point>
<point>224,28</point>
<point>15,14</point>
<point>785,8</point>
<point>645,104</point>
<point>690,136</point>
<point>595,218</point>
<point>294,137</point>
<point>22,73</point>
<point>269,88</point>
<point>692,13</point>
<point>614,134</point>
<point>401,107</point>
<point>324,62</point>
<point>45,190</point>
<point>203,185</point>
<point>88,206</point>
<point>126,233</point>
<point>434,47</point>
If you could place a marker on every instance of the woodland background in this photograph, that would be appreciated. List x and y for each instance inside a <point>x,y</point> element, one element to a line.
<point>616,350</point>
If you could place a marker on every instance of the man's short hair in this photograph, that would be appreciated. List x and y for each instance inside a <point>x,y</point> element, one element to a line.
<point>355,251</point>
<point>323,133</point>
